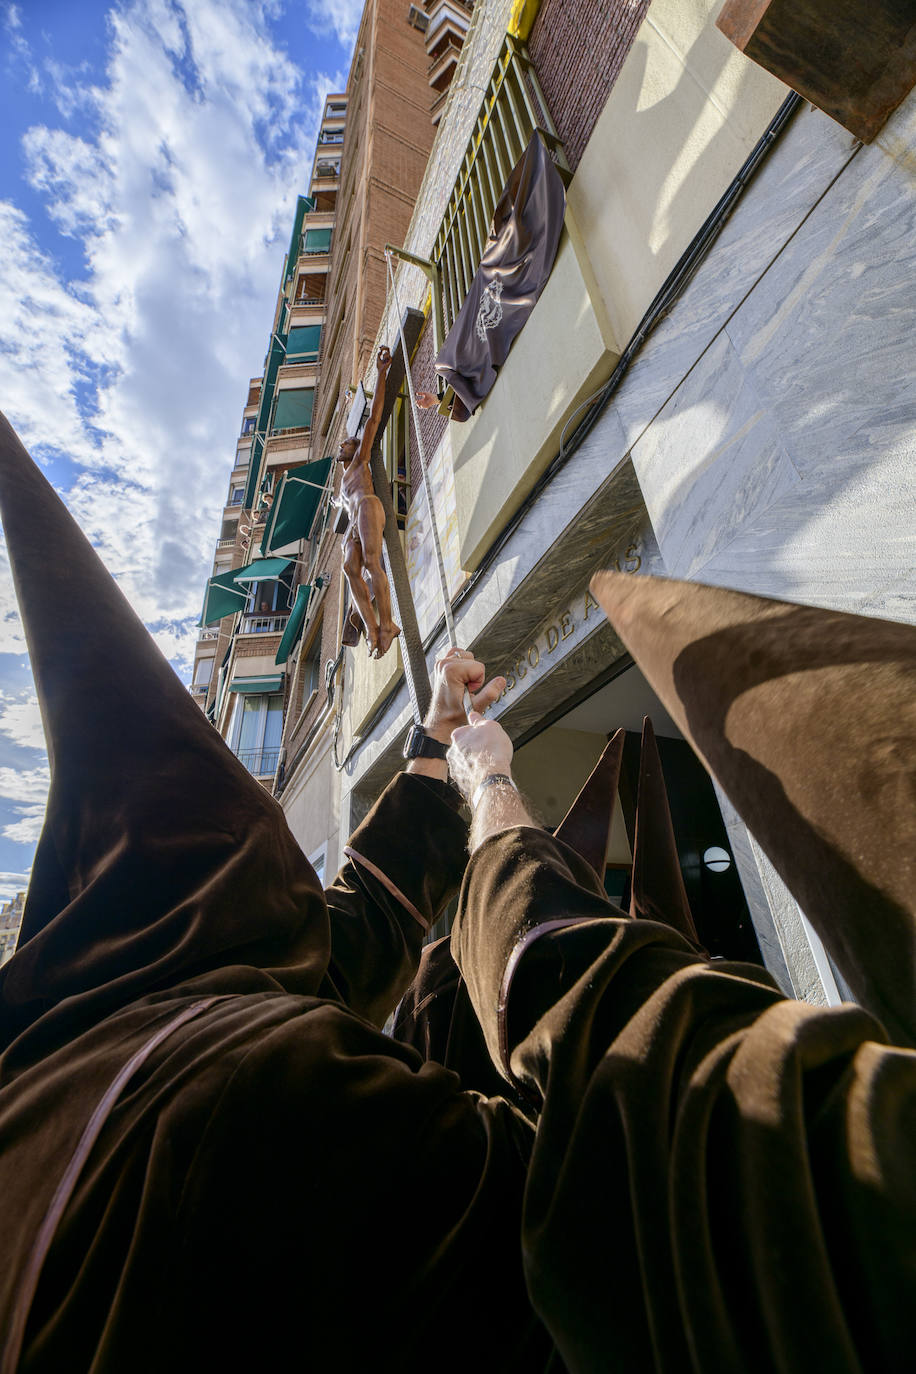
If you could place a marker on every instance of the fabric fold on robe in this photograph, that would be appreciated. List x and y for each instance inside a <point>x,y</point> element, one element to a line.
<point>722,1179</point>
<point>268,1152</point>
<point>807,719</point>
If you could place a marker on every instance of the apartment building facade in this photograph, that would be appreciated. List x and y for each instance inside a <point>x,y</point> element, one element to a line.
<point>713,385</point>
<point>272,614</point>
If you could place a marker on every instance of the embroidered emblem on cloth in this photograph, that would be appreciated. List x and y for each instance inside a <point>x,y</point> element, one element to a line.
<point>490,310</point>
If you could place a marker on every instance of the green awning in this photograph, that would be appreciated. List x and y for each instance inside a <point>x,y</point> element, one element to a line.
<point>228,592</point>
<point>262,683</point>
<point>294,409</point>
<point>294,625</point>
<point>262,570</point>
<point>275,359</point>
<point>302,344</point>
<point>222,597</point>
<point>295,502</point>
<point>303,206</point>
<point>317,241</point>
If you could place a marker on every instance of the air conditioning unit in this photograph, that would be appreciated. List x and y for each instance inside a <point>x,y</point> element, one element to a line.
<point>417,18</point>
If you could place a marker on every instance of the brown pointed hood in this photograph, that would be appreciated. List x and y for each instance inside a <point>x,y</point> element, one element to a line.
<point>657,892</point>
<point>807,718</point>
<point>161,859</point>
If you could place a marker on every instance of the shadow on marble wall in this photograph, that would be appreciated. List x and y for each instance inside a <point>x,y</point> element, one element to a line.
<point>782,462</point>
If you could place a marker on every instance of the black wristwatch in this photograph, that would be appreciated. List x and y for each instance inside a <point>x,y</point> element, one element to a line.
<point>420,745</point>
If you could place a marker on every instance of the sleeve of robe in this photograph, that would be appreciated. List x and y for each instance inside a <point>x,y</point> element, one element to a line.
<point>722,1178</point>
<point>403,864</point>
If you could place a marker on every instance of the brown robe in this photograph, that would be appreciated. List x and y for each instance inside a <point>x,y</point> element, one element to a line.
<point>720,1179</point>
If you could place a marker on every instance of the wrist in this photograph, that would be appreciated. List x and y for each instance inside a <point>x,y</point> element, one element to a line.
<point>440,727</point>
<point>496,779</point>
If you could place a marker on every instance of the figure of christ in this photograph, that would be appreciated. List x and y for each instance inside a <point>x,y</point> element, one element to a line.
<point>362,545</point>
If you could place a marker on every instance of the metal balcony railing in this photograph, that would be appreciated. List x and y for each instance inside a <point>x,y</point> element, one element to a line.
<point>512,108</point>
<point>264,624</point>
<point>261,762</point>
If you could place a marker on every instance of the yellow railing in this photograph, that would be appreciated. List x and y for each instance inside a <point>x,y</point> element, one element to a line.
<point>513,107</point>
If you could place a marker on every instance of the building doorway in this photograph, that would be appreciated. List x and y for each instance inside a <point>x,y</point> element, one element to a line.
<point>553,762</point>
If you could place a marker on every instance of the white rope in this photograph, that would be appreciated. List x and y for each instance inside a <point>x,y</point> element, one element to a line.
<point>440,565</point>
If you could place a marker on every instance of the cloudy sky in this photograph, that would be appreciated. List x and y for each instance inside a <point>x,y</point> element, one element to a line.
<point>150,158</point>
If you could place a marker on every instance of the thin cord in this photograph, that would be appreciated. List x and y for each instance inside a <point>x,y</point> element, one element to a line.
<point>440,565</point>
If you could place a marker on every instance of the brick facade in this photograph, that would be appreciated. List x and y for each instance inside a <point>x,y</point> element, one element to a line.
<point>385,153</point>
<point>578,48</point>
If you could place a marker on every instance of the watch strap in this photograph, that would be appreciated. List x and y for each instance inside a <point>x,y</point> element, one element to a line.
<point>491,781</point>
<point>420,745</point>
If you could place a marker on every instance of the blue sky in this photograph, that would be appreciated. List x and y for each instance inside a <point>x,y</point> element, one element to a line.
<point>150,158</point>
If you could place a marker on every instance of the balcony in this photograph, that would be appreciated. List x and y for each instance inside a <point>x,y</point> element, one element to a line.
<point>512,109</point>
<point>261,762</point>
<point>264,624</point>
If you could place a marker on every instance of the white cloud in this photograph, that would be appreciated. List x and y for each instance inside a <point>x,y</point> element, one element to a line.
<point>11,883</point>
<point>26,790</point>
<point>179,192</point>
<point>338,17</point>
<point>20,720</point>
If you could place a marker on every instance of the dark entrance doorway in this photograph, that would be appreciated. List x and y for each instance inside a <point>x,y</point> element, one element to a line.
<point>552,766</point>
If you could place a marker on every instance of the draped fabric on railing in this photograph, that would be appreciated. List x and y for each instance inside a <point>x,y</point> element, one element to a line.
<point>516,264</point>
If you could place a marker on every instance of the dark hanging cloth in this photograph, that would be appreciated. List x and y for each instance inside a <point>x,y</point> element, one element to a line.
<point>517,260</point>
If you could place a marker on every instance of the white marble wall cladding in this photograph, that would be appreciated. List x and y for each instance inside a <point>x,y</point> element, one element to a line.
<point>783,462</point>
<point>811,153</point>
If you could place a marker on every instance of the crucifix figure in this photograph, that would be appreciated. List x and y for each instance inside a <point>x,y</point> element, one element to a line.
<point>362,545</point>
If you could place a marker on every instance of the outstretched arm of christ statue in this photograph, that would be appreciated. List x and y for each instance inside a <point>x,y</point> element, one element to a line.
<point>362,547</point>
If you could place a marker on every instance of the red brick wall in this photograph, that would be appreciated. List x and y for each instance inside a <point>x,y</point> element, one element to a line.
<point>578,48</point>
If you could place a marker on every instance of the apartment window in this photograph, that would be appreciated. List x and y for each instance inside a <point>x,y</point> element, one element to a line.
<point>310,288</point>
<point>269,598</point>
<point>257,731</point>
<point>311,665</point>
<point>303,343</point>
<point>203,672</point>
<point>248,424</point>
<point>235,496</point>
<point>316,241</point>
<point>512,109</point>
<point>396,453</point>
<point>293,409</point>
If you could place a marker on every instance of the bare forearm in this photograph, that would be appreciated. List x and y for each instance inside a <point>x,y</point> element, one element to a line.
<point>500,808</point>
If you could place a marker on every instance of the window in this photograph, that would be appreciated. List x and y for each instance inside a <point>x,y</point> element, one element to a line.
<point>302,344</point>
<point>235,496</point>
<point>311,665</point>
<point>248,424</point>
<point>256,732</point>
<point>269,598</point>
<point>396,454</point>
<point>293,409</point>
<point>316,241</point>
<point>203,672</point>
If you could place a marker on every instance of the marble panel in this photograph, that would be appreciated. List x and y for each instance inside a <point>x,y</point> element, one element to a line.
<point>711,462</point>
<point>828,334</point>
<point>810,154</point>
